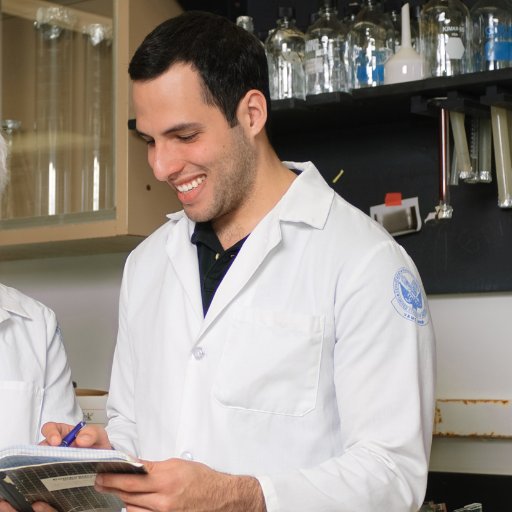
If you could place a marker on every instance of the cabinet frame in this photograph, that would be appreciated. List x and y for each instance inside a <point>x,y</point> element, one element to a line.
<point>141,202</point>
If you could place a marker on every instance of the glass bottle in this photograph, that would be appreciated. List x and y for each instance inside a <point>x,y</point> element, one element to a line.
<point>371,43</point>
<point>246,22</point>
<point>325,48</point>
<point>350,11</point>
<point>445,37</point>
<point>284,47</point>
<point>492,34</point>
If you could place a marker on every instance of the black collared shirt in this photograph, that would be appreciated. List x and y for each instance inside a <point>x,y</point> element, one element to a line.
<point>214,261</point>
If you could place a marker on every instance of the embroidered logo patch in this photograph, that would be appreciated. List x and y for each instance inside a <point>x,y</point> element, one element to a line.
<point>409,301</point>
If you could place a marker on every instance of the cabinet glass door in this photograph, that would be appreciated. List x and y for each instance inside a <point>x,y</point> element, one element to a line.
<point>57,111</point>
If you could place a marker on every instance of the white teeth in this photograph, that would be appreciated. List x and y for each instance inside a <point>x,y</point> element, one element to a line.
<point>189,186</point>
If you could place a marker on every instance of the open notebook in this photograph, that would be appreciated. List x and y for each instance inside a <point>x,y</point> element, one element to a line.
<point>61,477</point>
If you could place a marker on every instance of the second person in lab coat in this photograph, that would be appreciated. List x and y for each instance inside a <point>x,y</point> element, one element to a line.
<point>35,379</point>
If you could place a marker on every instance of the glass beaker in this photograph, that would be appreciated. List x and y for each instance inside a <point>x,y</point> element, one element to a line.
<point>445,37</point>
<point>492,34</point>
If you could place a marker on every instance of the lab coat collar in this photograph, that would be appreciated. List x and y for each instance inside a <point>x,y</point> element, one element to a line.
<point>10,303</point>
<point>308,199</point>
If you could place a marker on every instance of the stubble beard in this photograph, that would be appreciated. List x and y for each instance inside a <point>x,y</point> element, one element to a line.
<point>234,180</point>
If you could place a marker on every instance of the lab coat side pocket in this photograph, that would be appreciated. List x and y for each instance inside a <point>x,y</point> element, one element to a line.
<point>271,362</point>
<point>20,403</point>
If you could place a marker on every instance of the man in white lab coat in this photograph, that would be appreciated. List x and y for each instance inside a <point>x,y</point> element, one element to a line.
<point>275,350</point>
<point>35,379</point>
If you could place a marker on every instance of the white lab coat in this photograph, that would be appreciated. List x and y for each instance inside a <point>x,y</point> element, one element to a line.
<point>312,370</point>
<point>35,379</point>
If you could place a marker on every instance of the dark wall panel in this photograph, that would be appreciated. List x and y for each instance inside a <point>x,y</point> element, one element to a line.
<point>472,252</point>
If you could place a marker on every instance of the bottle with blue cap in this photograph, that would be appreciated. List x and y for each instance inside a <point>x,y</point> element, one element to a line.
<point>492,34</point>
<point>371,43</point>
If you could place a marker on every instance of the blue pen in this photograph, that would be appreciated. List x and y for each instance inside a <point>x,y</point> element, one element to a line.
<point>69,438</point>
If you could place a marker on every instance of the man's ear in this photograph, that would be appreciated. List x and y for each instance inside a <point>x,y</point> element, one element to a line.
<point>252,112</point>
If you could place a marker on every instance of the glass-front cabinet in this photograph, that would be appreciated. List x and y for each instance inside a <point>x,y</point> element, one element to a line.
<point>79,180</point>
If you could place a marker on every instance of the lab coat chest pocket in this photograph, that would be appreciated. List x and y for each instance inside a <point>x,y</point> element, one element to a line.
<point>20,406</point>
<point>271,362</point>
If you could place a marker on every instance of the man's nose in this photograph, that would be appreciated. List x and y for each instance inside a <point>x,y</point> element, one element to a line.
<point>164,162</point>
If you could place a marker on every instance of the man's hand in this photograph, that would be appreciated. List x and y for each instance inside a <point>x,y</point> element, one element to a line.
<point>91,436</point>
<point>178,485</point>
<point>37,507</point>
<point>6,507</point>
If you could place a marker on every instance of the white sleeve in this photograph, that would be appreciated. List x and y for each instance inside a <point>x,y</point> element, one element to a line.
<point>384,360</point>
<point>59,402</point>
<point>122,428</point>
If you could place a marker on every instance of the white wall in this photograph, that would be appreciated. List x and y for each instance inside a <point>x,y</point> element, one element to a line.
<point>474,356</point>
<point>474,334</point>
<point>84,292</point>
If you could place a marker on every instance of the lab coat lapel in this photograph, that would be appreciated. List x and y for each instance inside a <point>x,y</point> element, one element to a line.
<point>183,256</point>
<point>254,251</point>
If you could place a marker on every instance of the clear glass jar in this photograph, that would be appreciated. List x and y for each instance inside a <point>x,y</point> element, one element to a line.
<point>492,34</point>
<point>371,42</point>
<point>285,47</point>
<point>325,49</point>
<point>445,37</point>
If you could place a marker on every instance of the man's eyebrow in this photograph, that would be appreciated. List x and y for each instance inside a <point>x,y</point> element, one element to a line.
<point>173,129</point>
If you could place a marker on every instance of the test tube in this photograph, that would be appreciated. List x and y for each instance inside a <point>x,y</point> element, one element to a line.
<point>444,209</point>
<point>466,171</point>
<point>454,171</point>
<point>474,130</point>
<point>501,138</point>
<point>484,150</point>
